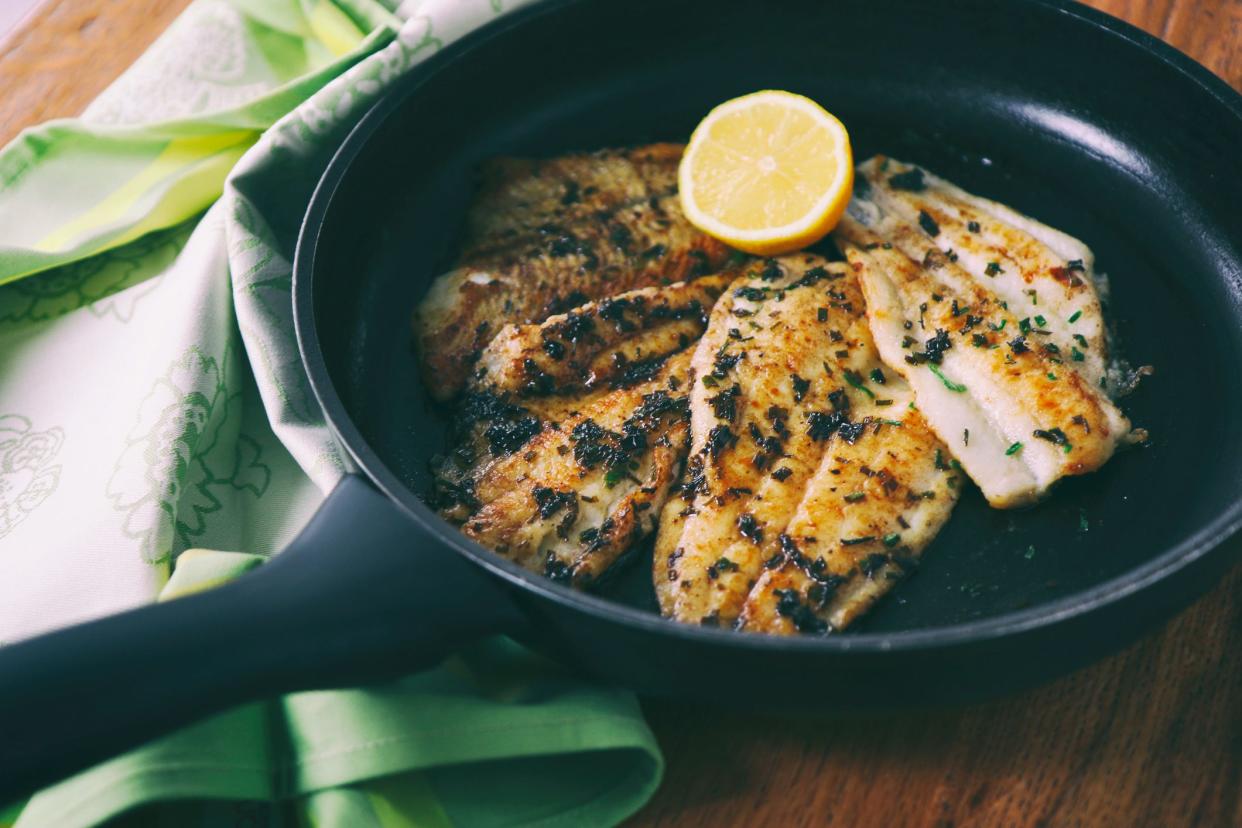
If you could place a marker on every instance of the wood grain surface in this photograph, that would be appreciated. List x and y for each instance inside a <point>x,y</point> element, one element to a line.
<point>1149,737</point>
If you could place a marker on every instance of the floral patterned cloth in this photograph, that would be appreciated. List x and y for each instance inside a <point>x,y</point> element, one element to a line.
<point>153,405</point>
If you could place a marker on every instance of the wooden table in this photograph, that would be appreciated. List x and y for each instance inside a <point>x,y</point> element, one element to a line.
<point>1150,737</point>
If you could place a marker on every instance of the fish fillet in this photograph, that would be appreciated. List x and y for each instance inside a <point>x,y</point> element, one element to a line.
<point>574,430</point>
<point>994,321</point>
<point>517,196</point>
<point>811,483</point>
<point>640,245</point>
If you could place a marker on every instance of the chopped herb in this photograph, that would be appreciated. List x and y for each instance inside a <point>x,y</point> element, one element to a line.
<point>854,497</point>
<point>1040,321</point>
<point>782,474</point>
<point>1083,524</point>
<point>822,314</point>
<point>877,376</point>
<point>800,387</point>
<point>972,226</point>
<point>751,294</point>
<point>966,436</point>
<point>948,383</point>
<point>1024,325</point>
<point>1034,296</point>
<point>892,539</point>
<point>1052,435</point>
<point>1074,316</point>
<point>771,271</point>
<point>911,179</point>
<point>857,381</point>
<point>1081,340</point>
<point>750,528</point>
<point>1014,449</point>
<point>1052,376</point>
<point>883,402</point>
<point>857,541</point>
<point>933,349</point>
<point>999,327</point>
<point>1074,264</point>
<point>821,425</point>
<point>979,340</point>
<point>928,224</point>
<point>993,268</point>
<point>1077,355</point>
<point>709,381</point>
<point>892,422</point>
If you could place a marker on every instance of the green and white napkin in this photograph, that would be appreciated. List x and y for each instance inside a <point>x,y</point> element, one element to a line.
<point>152,402</point>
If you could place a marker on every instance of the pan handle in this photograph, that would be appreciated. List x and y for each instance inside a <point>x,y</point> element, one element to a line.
<point>357,596</point>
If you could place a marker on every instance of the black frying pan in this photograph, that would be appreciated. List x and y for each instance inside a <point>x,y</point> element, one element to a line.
<point>1062,112</point>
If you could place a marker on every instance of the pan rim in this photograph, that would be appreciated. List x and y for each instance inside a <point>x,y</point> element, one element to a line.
<point>1215,534</point>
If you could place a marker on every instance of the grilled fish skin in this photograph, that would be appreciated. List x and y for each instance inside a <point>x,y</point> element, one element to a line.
<point>517,196</point>
<point>640,245</point>
<point>810,483</point>
<point>602,342</point>
<point>972,303</point>
<point>574,430</point>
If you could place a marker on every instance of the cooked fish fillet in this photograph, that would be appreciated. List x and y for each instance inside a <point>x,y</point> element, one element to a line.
<point>645,244</point>
<point>811,482</point>
<point>519,195</point>
<point>574,430</point>
<point>600,342</point>
<point>994,320</point>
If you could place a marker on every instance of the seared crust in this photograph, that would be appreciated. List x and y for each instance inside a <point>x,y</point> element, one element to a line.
<point>808,477</point>
<point>517,196</point>
<point>649,243</point>
<point>574,430</point>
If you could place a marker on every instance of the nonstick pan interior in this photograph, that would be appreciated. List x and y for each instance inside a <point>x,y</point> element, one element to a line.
<point>1020,102</point>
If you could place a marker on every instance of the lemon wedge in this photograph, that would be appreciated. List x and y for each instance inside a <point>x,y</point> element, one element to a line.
<point>767,173</point>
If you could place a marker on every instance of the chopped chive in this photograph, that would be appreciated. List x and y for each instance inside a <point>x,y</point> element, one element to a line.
<point>857,381</point>
<point>972,226</point>
<point>1040,321</point>
<point>1068,447</point>
<point>1024,325</point>
<point>999,327</point>
<point>877,376</point>
<point>856,541</point>
<point>1075,315</point>
<point>1080,339</point>
<point>1014,449</point>
<point>854,497</point>
<point>948,383</point>
<point>892,539</point>
<point>1077,355</point>
<point>1052,376</point>
<point>891,422</point>
<point>993,268</point>
<point>1083,524</point>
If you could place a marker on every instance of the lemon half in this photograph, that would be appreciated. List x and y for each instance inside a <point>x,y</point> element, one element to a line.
<point>767,173</point>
